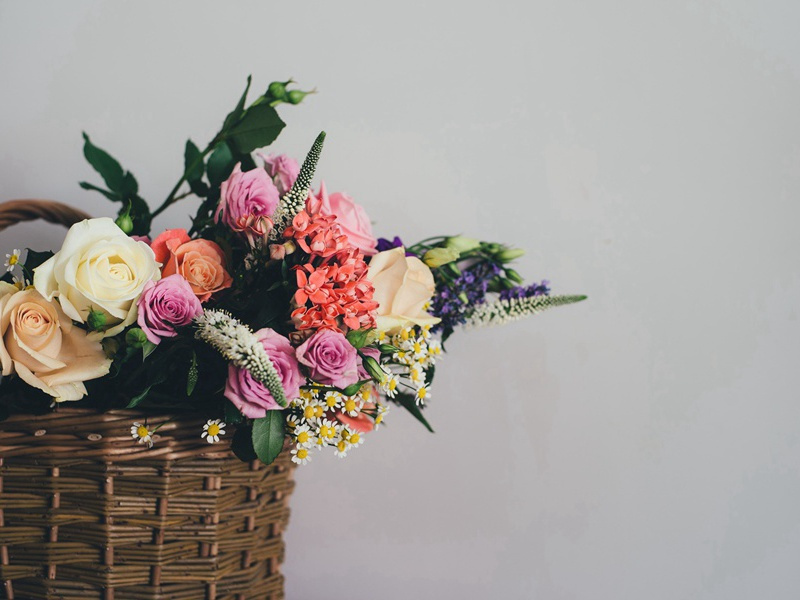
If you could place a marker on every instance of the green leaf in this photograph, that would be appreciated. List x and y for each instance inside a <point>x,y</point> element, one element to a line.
<point>136,400</point>
<point>33,259</point>
<point>193,162</point>
<point>236,113</point>
<point>359,338</point>
<point>147,349</point>
<point>268,435</point>
<point>220,164</point>
<point>259,127</point>
<point>113,196</point>
<point>232,414</point>
<point>353,389</point>
<point>191,377</point>
<point>102,162</point>
<point>242,443</point>
<point>410,404</point>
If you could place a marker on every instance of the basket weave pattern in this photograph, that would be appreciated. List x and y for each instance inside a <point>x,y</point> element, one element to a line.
<point>87,513</point>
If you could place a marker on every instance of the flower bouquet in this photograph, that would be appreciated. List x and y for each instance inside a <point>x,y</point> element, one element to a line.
<point>272,327</point>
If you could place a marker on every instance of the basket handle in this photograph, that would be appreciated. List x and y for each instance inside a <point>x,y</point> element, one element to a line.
<point>16,211</point>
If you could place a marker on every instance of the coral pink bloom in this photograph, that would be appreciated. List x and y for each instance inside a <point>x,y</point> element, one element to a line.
<point>159,245</point>
<point>360,423</point>
<point>311,287</point>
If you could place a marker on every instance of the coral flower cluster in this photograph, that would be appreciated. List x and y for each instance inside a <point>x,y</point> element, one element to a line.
<point>333,291</point>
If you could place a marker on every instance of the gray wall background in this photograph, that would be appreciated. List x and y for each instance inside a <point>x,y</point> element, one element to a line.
<point>642,445</point>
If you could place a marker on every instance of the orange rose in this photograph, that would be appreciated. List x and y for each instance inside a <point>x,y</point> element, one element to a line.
<point>201,262</point>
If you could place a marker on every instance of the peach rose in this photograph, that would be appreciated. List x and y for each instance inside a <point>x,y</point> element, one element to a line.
<point>403,286</point>
<point>201,262</point>
<point>39,343</point>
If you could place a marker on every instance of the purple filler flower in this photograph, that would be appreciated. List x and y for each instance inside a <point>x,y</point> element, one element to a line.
<point>384,244</point>
<point>165,305</point>
<point>331,358</point>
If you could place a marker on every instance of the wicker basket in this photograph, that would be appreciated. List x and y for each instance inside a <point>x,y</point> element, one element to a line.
<point>87,513</point>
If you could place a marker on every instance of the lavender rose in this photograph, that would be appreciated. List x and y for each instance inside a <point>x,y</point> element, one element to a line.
<point>243,196</point>
<point>252,397</point>
<point>165,305</point>
<point>331,358</point>
<point>282,169</point>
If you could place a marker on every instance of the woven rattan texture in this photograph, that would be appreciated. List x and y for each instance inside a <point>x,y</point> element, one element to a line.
<point>87,513</point>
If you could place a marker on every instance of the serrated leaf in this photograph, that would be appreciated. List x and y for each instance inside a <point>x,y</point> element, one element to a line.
<point>192,375</point>
<point>220,164</point>
<point>410,404</point>
<point>359,338</point>
<point>268,435</point>
<point>259,127</point>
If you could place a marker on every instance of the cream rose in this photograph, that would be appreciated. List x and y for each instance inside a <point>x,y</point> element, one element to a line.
<point>403,286</point>
<point>98,268</point>
<point>39,343</point>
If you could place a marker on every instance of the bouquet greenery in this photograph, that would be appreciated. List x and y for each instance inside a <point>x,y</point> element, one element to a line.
<point>277,313</point>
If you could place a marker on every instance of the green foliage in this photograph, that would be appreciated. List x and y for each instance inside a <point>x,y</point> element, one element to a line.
<point>192,375</point>
<point>268,435</point>
<point>242,443</point>
<point>259,127</point>
<point>122,187</point>
<point>408,402</point>
<point>360,337</point>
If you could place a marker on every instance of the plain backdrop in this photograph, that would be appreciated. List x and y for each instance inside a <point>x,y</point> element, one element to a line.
<point>643,444</point>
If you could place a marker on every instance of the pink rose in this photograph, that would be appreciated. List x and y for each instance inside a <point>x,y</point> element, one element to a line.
<point>253,398</point>
<point>351,218</point>
<point>165,305</point>
<point>331,358</point>
<point>282,169</point>
<point>245,198</point>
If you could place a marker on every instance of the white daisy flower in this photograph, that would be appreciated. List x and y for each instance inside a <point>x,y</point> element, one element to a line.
<point>312,410</point>
<point>341,449</point>
<point>352,405</point>
<point>353,438</point>
<point>20,282</point>
<point>304,437</point>
<point>212,430</point>
<point>142,434</point>
<point>332,400</point>
<point>425,332</point>
<point>383,409</point>
<point>389,387</point>
<point>327,432</point>
<point>12,260</point>
<point>423,394</point>
<point>301,456</point>
<point>416,374</point>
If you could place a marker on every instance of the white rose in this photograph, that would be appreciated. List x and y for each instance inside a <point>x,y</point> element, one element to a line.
<point>100,269</point>
<point>403,286</point>
<point>39,343</point>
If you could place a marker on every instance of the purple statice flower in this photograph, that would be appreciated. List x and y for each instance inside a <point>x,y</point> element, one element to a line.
<point>519,292</point>
<point>455,299</point>
<point>384,244</point>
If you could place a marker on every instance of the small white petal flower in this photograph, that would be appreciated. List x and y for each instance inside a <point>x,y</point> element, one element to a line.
<point>423,394</point>
<point>12,260</point>
<point>212,430</point>
<point>142,434</point>
<point>304,437</point>
<point>301,456</point>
